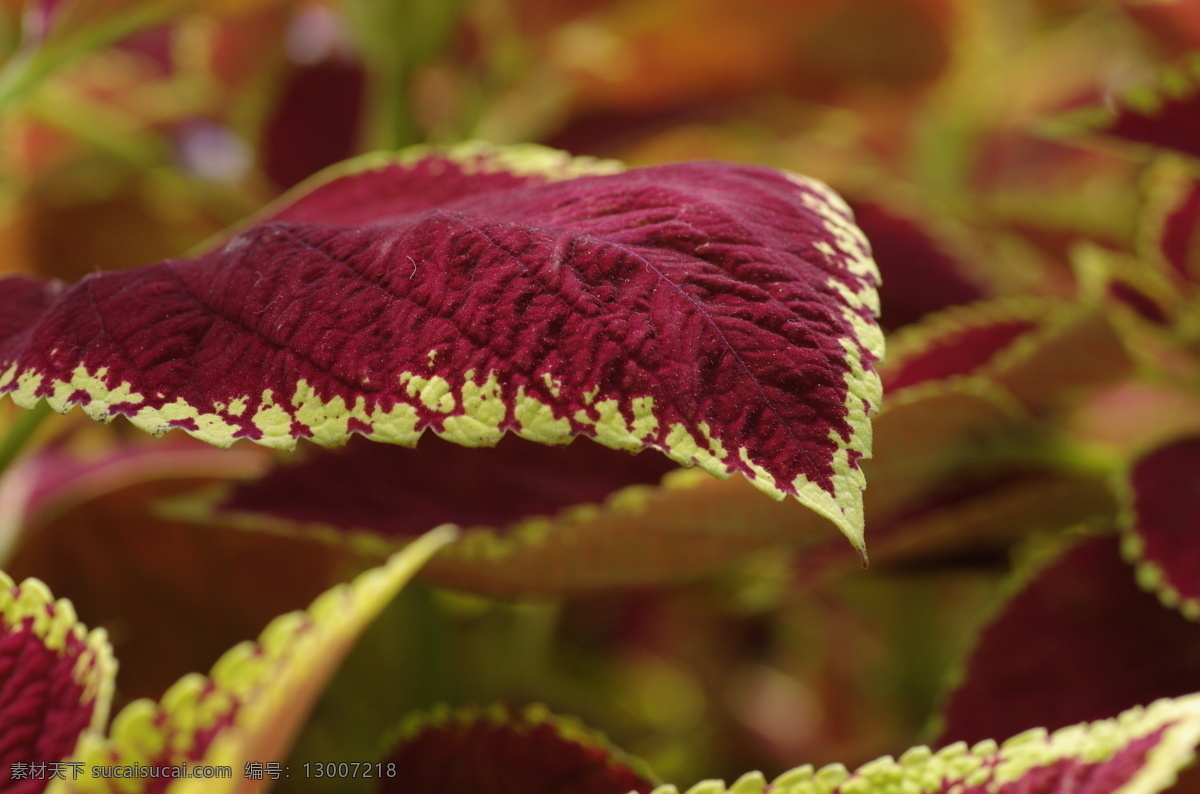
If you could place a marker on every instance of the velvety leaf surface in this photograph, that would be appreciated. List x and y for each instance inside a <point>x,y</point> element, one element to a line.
<point>56,680</point>
<point>255,698</point>
<point>721,314</point>
<point>1079,640</point>
<point>1163,521</point>
<point>492,752</point>
<point>1141,750</point>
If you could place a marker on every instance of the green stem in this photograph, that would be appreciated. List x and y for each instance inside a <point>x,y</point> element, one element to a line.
<point>22,430</point>
<point>29,66</point>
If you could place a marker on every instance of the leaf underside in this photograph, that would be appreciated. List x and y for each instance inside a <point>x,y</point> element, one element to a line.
<point>720,314</point>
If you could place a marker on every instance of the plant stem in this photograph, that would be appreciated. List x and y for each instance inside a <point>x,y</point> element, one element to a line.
<point>22,430</point>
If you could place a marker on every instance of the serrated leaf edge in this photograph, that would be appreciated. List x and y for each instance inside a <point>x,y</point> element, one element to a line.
<point>921,770</point>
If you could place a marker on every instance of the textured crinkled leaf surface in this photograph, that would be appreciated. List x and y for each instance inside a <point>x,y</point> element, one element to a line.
<point>255,698</point>
<point>56,681</point>
<point>491,752</point>
<point>1142,751</point>
<point>721,314</point>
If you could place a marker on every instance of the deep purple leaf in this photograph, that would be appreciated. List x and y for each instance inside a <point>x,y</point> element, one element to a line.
<point>493,752</point>
<point>1164,522</point>
<point>1081,640</point>
<point>720,314</point>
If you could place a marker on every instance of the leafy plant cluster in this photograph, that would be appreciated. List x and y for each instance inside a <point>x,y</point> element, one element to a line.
<point>557,467</point>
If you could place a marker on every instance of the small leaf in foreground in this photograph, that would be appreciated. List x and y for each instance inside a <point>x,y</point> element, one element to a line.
<point>255,698</point>
<point>1079,641</point>
<point>56,681</point>
<point>494,752</point>
<point>1162,522</point>
<point>721,314</point>
<point>1142,750</point>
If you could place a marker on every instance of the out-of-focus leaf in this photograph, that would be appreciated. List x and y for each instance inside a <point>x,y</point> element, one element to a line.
<point>1141,750</point>
<point>491,751</point>
<point>255,698</point>
<point>315,122</point>
<point>1170,220</point>
<point>958,341</point>
<point>1163,115</point>
<point>583,517</point>
<point>56,681</point>
<point>1046,353</point>
<point>1080,639</point>
<point>921,276</point>
<point>721,314</point>
<point>172,596</point>
<point>1162,521</point>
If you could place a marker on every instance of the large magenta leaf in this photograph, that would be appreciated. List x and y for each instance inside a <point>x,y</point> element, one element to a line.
<point>1078,641</point>
<point>493,752</point>
<point>1163,520</point>
<point>721,314</point>
<point>56,681</point>
<point>1142,750</point>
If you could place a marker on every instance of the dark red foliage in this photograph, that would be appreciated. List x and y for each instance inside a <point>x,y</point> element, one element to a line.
<point>1080,642</point>
<point>957,353</point>
<point>486,757</point>
<point>404,492</point>
<point>920,276</point>
<point>316,122</point>
<point>42,707</point>
<point>1166,512</point>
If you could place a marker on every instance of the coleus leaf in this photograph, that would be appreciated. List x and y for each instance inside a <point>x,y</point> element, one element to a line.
<point>1165,115</point>
<point>56,681</point>
<point>582,517</point>
<point>1030,348</point>
<point>721,314</point>
<point>491,752</point>
<point>181,594</point>
<point>256,697</point>
<point>1142,750</point>
<point>1079,639</point>
<point>1162,517</point>
<point>1169,224</point>
<point>922,277</point>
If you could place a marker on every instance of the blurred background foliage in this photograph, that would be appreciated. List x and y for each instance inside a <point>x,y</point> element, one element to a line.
<point>133,130</point>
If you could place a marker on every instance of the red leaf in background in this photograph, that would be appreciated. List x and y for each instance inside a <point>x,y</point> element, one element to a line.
<point>1166,116</point>
<point>315,122</point>
<point>920,276</point>
<point>403,493</point>
<point>1164,522</point>
<point>1079,641</point>
<point>494,753</point>
<point>721,314</point>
